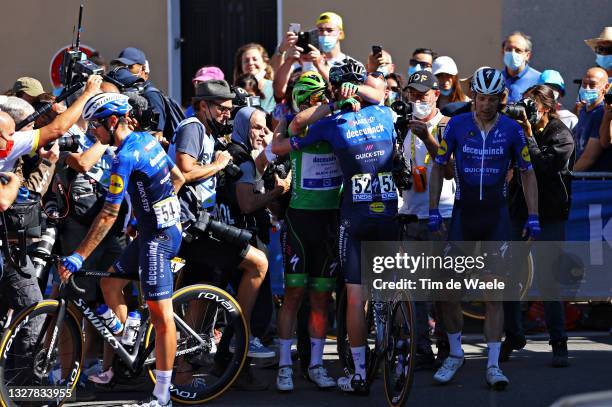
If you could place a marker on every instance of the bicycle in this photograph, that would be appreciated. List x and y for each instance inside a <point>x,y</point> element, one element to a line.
<point>54,359</point>
<point>391,338</point>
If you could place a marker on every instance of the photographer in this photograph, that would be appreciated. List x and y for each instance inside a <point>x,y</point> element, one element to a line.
<point>550,146</point>
<point>35,171</point>
<point>169,111</point>
<point>15,144</point>
<point>193,152</point>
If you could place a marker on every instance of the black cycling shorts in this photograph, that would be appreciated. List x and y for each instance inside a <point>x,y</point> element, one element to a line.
<point>356,228</point>
<point>310,252</point>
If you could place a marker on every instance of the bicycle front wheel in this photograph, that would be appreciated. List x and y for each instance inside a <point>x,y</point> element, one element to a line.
<point>399,353</point>
<point>212,343</point>
<point>35,355</point>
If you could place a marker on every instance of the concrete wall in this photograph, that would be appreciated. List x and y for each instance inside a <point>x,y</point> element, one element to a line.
<point>33,30</point>
<point>469,31</point>
<point>558,30</point>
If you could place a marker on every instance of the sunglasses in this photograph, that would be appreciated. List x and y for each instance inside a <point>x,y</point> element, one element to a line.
<point>425,64</point>
<point>222,109</point>
<point>94,124</point>
<point>603,49</point>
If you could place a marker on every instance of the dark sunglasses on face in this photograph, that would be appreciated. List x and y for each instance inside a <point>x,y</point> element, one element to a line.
<point>603,49</point>
<point>222,109</point>
<point>424,64</point>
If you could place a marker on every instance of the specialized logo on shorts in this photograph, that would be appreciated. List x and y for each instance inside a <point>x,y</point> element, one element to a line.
<point>525,154</point>
<point>377,207</point>
<point>116,184</point>
<point>443,148</point>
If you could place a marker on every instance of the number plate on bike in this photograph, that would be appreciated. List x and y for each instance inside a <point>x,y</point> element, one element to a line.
<point>167,212</point>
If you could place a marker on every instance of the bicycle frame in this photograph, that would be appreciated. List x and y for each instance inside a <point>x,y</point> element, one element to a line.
<point>135,359</point>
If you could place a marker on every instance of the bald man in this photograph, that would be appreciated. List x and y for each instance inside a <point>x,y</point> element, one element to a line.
<point>591,155</point>
<point>15,144</point>
<point>381,62</point>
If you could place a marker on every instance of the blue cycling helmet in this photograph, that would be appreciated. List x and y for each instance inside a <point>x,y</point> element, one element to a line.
<point>104,105</point>
<point>552,77</point>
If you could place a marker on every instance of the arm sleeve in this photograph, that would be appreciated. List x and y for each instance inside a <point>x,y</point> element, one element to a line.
<point>447,145</point>
<point>521,151</point>
<point>319,131</point>
<point>189,140</point>
<point>248,173</point>
<point>120,174</point>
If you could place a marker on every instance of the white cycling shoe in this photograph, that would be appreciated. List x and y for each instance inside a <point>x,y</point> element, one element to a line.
<point>449,368</point>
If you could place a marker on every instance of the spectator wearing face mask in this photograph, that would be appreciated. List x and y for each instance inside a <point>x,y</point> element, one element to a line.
<point>422,59</point>
<point>554,80</point>
<point>381,63</point>
<point>519,76</point>
<point>590,154</point>
<point>393,91</point>
<point>602,46</point>
<point>447,75</point>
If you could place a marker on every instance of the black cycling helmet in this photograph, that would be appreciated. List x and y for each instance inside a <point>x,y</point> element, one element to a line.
<point>349,70</point>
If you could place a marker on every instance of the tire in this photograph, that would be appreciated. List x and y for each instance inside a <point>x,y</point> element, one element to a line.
<point>342,343</point>
<point>207,310</point>
<point>400,348</point>
<point>40,318</point>
<point>476,309</point>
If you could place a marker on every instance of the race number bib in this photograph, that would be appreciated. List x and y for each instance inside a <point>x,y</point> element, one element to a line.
<point>387,186</point>
<point>365,187</point>
<point>167,212</point>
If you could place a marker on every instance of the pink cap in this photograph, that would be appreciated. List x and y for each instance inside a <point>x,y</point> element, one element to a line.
<point>207,73</point>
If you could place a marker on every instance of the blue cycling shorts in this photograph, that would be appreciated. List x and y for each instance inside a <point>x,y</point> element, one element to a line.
<point>149,255</point>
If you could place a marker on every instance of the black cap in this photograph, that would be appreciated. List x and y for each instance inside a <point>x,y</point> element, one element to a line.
<point>422,81</point>
<point>213,89</point>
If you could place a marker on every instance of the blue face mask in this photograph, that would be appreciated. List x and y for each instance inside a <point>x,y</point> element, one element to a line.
<point>413,69</point>
<point>588,96</point>
<point>391,98</point>
<point>446,92</point>
<point>327,42</point>
<point>513,60</point>
<point>605,61</point>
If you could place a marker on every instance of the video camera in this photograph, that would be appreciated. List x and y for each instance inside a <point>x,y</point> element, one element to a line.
<point>205,224</point>
<point>231,169</point>
<point>401,167</point>
<point>148,118</point>
<point>515,110</point>
<point>244,99</point>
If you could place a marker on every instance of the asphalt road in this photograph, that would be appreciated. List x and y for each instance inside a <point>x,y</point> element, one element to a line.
<point>533,383</point>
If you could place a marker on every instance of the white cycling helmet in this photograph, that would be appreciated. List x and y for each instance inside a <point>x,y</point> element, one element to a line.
<point>103,105</point>
<point>488,81</point>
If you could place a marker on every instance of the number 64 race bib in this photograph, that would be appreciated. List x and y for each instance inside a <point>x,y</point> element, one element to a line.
<point>167,212</point>
<point>365,187</point>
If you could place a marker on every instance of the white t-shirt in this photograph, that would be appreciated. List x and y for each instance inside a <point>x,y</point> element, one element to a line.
<point>25,142</point>
<point>568,118</point>
<point>417,203</point>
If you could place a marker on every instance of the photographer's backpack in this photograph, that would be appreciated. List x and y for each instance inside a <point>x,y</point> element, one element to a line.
<point>173,111</point>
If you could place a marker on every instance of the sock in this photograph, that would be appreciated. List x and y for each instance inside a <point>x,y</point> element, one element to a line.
<point>316,351</point>
<point>162,385</point>
<point>285,352</point>
<point>493,359</point>
<point>455,344</point>
<point>359,358</point>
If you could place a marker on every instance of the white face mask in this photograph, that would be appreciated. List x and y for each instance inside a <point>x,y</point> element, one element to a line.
<point>421,109</point>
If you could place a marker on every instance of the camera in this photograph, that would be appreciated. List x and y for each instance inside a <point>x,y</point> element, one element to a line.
<point>220,230</point>
<point>231,169</point>
<point>244,99</point>
<point>608,98</point>
<point>303,40</point>
<point>280,168</point>
<point>68,143</point>
<point>515,110</point>
<point>148,119</point>
<point>403,111</point>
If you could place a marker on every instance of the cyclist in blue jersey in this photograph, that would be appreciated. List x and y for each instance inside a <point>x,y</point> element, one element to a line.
<point>484,143</point>
<point>363,141</point>
<point>143,170</point>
